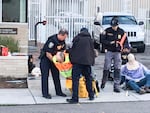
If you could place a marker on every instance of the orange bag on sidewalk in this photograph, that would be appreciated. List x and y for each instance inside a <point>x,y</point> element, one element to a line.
<point>82,87</point>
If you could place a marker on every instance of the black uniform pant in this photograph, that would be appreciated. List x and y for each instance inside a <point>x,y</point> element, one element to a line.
<point>77,71</point>
<point>45,66</point>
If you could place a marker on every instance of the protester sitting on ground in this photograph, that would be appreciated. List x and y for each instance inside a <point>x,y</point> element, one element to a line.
<point>136,75</point>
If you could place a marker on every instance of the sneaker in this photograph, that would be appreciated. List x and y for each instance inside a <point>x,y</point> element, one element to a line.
<point>61,94</point>
<point>71,101</point>
<point>117,90</point>
<point>142,91</point>
<point>47,96</point>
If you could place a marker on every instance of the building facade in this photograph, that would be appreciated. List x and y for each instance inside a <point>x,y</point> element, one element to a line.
<point>64,13</point>
<point>13,21</point>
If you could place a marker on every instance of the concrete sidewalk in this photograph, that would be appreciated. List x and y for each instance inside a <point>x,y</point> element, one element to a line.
<point>32,94</point>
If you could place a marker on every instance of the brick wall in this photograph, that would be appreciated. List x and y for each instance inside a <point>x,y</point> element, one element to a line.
<point>13,66</point>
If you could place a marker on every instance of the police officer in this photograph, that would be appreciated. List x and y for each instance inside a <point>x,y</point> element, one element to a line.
<point>111,38</point>
<point>54,44</point>
<point>82,57</point>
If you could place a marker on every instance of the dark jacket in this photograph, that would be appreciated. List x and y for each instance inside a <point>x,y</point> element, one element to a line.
<point>110,35</point>
<point>82,51</point>
<point>52,45</point>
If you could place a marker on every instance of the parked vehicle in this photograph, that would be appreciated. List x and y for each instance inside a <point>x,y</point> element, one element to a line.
<point>127,21</point>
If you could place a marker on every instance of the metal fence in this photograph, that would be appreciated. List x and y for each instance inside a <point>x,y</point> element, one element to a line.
<point>69,14</point>
<point>33,16</point>
<point>147,31</point>
<point>74,14</point>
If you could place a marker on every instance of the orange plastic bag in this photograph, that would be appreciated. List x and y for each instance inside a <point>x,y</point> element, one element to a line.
<point>3,51</point>
<point>82,87</point>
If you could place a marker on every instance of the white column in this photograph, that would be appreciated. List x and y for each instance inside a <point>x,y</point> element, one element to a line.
<point>127,7</point>
<point>98,4</point>
<point>22,10</point>
<point>85,8</point>
<point>0,11</point>
<point>42,28</point>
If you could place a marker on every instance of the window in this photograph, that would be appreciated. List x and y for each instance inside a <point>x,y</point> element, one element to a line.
<point>14,11</point>
<point>122,20</point>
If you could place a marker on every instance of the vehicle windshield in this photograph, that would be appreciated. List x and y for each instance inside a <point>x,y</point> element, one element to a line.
<point>122,20</point>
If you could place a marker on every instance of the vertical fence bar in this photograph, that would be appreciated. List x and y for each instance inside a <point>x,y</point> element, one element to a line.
<point>1,11</point>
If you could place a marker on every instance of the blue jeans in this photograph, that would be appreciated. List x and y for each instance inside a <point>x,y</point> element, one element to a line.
<point>137,85</point>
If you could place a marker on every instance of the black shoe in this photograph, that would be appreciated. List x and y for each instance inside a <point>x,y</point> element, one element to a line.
<point>116,90</point>
<point>91,98</point>
<point>48,96</point>
<point>102,86</point>
<point>61,94</point>
<point>71,101</point>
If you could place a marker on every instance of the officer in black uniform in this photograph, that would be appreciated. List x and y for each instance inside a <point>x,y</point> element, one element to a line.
<point>54,44</point>
<point>111,38</point>
<point>82,57</point>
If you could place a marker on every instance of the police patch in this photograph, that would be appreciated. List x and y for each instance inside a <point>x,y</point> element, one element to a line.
<point>109,34</point>
<point>51,44</point>
<point>59,47</point>
<point>119,36</point>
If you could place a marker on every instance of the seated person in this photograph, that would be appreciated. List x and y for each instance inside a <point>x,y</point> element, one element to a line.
<point>30,64</point>
<point>136,75</point>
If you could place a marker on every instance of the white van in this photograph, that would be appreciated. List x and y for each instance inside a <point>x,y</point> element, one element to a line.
<point>134,29</point>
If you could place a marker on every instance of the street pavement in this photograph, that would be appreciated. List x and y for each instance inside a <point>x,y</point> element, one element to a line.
<point>32,94</point>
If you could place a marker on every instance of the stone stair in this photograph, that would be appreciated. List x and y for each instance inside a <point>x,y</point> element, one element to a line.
<point>34,51</point>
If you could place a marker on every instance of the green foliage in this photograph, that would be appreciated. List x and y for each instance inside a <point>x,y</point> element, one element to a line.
<point>9,42</point>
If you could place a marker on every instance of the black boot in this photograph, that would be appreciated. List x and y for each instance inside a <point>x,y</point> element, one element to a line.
<point>104,79</point>
<point>117,80</point>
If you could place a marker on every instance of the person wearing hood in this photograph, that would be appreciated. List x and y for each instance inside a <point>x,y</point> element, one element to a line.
<point>136,75</point>
<point>82,58</point>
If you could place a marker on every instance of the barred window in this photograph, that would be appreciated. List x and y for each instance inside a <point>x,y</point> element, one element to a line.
<point>14,11</point>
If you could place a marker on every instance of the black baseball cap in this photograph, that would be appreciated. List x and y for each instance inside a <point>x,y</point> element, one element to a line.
<point>114,22</point>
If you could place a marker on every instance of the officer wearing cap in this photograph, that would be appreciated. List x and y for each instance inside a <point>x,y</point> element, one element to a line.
<point>111,38</point>
<point>54,44</point>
